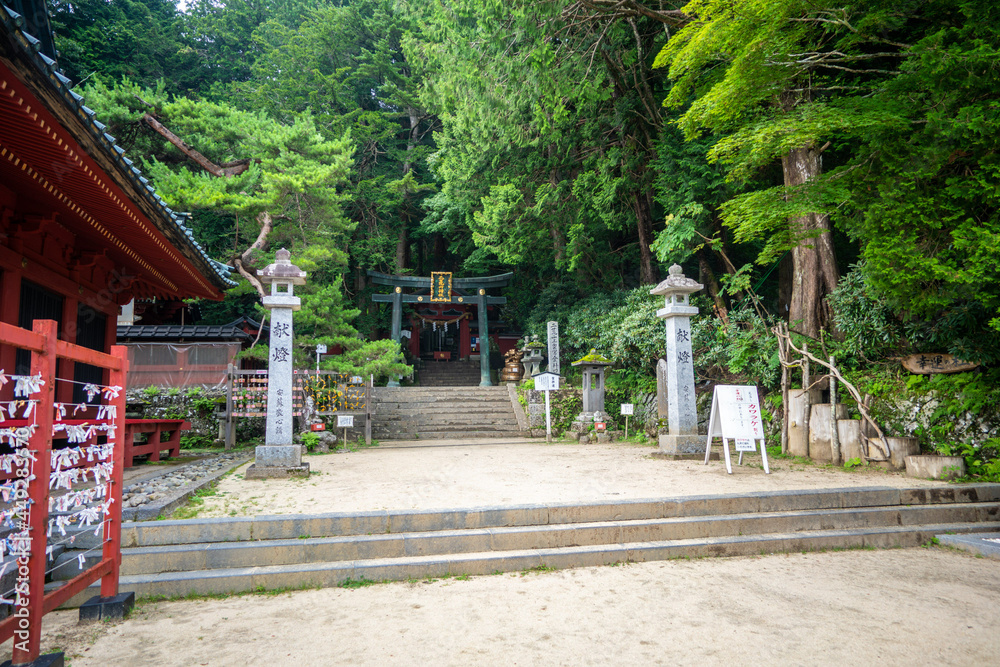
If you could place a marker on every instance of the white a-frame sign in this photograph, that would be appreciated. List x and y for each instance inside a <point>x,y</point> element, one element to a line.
<point>736,416</point>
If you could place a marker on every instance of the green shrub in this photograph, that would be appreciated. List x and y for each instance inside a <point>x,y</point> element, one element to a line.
<point>310,440</point>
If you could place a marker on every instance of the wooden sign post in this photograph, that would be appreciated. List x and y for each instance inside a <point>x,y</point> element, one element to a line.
<point>547,382</point>
<point>627,409</point>
<point>736,416</point>
<point>345,422</point>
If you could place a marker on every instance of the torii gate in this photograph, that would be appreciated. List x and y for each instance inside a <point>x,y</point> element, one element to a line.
<point>442,288</point>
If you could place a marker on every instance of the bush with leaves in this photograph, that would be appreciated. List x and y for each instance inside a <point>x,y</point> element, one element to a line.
<point>740,351</point>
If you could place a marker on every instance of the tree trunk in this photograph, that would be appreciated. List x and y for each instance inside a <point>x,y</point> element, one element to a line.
<point>403,248</point>
<point>814,266</point>
<point>714,289</point>
<point>648,275</point>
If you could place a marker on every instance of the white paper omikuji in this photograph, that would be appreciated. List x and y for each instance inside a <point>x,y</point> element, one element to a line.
<point>26,385</point>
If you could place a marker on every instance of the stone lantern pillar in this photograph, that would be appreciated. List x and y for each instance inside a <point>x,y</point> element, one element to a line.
<point>682,413</point>
<point>593,366</point>
<point>279,456</point>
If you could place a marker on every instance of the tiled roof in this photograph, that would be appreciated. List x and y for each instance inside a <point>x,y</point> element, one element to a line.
<point>12,22</point>
<point>178,332</point>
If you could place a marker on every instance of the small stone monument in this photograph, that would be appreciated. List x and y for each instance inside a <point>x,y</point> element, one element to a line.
<point>279,456</point>
<point>593,365</point>
<point>662,407</point>
<point>682,413</point>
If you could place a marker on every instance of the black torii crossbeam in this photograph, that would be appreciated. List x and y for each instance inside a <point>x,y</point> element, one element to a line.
<point>459,293</point>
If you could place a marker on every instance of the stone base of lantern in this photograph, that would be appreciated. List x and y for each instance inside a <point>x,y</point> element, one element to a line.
<point>256,471</point>
<point>277,461</point>
<point>672,445</point>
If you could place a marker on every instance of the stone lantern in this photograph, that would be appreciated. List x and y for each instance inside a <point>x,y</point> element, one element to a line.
<point>682,413</point>
<point>533,355</point>
<point>279,456</point>
<point>593,366</point>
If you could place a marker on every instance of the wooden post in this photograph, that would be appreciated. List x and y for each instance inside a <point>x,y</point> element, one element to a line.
<point>30,605</point>
<point>805,387</point>
<point>785,372</point>
<point>230,432</point>
<point>368,410</point>
<point>113,524</point>
<point>834,433</point>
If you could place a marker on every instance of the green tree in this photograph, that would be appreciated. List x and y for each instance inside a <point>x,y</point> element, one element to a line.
<point>280,180</point>
<point>140,39</point>
<point>549,128</point>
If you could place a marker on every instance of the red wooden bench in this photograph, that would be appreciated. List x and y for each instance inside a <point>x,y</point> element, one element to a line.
<point>154,429</point>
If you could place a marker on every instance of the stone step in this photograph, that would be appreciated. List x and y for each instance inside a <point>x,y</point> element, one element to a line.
<point>305,549</point>
<point>241,554</point>
<point>443,405</point>
<point>337,524</point>
<point>445,420</point>
<point>305,575</point>
<point>468,436</point>
<point>458,391</point>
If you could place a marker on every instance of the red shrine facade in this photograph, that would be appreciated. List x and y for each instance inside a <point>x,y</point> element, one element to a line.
<point>82,232</point>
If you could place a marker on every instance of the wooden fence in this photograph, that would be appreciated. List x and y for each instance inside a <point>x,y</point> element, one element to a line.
<point>333,394</point>
<point>37,516</point>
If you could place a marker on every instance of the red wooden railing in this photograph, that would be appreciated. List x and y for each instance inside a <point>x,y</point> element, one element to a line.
<point>33,461</point>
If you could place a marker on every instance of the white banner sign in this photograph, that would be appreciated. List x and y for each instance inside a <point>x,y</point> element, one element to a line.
<point>736,416</point>
<point>736,413</point>
<point>553,329</point>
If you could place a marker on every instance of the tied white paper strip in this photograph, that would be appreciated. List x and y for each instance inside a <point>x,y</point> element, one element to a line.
<point>91,390</point>
<point>60,411</point>
<point>107,411</point>
<point>111,391</point>
<point>26,385</point>
<point>65,458</point>
<point>17,437</point>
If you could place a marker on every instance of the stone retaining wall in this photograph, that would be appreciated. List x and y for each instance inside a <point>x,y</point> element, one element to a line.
<point>196,407</point>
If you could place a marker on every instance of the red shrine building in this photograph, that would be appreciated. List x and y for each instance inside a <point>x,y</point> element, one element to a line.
<point>82,232</point>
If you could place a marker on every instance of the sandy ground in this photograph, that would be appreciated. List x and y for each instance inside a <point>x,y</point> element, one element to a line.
<point>442,474</point>
<point>894,607</point>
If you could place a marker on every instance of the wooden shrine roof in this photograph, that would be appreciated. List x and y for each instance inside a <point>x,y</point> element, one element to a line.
<point>58,159</point>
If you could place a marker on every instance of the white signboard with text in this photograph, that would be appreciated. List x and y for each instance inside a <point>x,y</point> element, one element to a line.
<point>628,409</point>
<point>547,382</point>
<point>345,421</point>
<point>736,416</point>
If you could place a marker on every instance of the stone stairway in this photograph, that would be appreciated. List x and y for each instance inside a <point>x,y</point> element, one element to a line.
<point>449,374</point>
<point>217,556</point>
<point>409,413</point>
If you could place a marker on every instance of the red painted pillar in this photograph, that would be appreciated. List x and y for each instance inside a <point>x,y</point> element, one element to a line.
<point>67,368</point>
<point>113,526</point>
<point>110,338</point>
<point>43,363</point>
<point>10,303</point>
<point>464,338</point>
